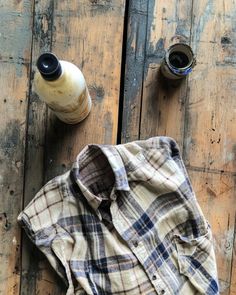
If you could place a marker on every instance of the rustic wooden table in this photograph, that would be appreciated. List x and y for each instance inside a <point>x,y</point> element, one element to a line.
<point>118,45</point>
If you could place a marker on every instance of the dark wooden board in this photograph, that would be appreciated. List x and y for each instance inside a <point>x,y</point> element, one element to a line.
<point>16,25</point>
<point>152,106</point>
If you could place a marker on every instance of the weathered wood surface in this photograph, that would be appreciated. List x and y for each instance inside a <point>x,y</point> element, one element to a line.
<point>134,69</point>
<point>163,106</point>
<point>200,112</point>
<point>210,134</point>
<point>216,194</point>
<point>89,34</point>
<point>152,106</point>
<point>16,24</point>
<point>36,275</point>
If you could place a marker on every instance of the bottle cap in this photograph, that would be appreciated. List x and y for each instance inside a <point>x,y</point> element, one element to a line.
<point>49,66</point>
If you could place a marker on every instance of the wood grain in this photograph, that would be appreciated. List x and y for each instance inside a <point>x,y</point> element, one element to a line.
<point>152,105</point>
<point>163,104</point>
<point>233,269</point>
<point>134,69</point>
<point>37,276</point>
<point>216,195</point>
<point>210,137</point>
<point>89,34</point>
<point>16,24</point>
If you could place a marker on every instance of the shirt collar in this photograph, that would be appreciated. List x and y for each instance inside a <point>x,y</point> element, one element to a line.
<point>114,161</point>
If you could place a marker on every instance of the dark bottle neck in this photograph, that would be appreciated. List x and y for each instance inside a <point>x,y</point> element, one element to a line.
<point>49,66</point>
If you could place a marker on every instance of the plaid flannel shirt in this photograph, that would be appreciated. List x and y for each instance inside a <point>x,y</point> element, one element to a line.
<point>125,220</point>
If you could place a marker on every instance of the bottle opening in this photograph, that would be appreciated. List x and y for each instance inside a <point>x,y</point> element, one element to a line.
<point>47,63</point>
<point>179,59</point>
<point>178,62</point>
<point>49,66</point>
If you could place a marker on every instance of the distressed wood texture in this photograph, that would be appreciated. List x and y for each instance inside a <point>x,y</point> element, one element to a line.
<point>151,104</point>
<point>37,276</point>
<point>134,69</point>
<point>233,275</point>
<point>199,112</point>
<point>16,24</point>
<point>216,195</point>
<point>163,103</point>
<point>210,137</point>
<point>89,34</point>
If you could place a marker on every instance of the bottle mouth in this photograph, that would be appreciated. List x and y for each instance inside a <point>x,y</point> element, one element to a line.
<point>180,58</point>
<point>49,66</point>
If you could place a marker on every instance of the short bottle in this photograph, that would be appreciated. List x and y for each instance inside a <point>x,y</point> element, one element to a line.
<point>62,86</point>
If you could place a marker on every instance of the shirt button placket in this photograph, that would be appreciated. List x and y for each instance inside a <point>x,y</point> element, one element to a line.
<point>154,277</point>
<point>159,285</point>
<point>135,243</point>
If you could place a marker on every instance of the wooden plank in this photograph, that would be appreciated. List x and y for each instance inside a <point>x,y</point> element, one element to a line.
<point>89,34</point>
<point>16,23</point>
<point>210,138</point>
<point>161,102</point>
<point>34,266</point>
<point>216,195</point>
<point>233,273</point>
<point>210,120</point>
<point>134,69</point>
<point>163,105</point>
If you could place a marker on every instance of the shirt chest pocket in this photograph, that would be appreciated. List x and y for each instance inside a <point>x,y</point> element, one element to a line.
<point>196,261</point>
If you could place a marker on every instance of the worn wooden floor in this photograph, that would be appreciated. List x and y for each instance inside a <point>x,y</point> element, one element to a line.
<point>118,45</point>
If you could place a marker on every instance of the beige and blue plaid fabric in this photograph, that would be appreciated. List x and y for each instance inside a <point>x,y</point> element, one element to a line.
<point>125,220</point>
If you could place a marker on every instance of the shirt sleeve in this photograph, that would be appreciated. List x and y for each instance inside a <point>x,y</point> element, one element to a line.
<point>39,220</point>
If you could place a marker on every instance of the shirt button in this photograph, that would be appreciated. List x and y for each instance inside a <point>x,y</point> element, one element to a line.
<point>135,244</point>
<point>154,277</point>
<point>163,291</point>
